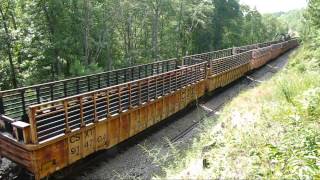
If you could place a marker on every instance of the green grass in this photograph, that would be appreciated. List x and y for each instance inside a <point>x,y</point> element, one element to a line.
<point>269,132</point>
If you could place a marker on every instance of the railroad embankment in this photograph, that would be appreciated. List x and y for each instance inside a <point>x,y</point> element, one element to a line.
<point>270,131</point>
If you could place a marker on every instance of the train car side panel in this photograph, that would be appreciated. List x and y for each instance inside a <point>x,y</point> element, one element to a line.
<point>134,122</point>
<point>159,110</point>
<point>101,135</point>
<point>113,132</point>
<point>54,157</point>
<point>152,114</point>
<point>144,118</point>
<point>16,153</point>
<point>124,127</point>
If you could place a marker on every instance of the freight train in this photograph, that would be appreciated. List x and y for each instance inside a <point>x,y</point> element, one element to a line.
<point>47,127</point>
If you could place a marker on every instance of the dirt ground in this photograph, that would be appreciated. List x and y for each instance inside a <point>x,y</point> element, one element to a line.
<point>130,161</point>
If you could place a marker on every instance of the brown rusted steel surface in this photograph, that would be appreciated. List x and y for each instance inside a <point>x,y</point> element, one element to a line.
<point>224,64</point>
<point>260,57</point>
<point>66,129</point>
<point>276,50</point>
<point>225,70</point>
<point>16,152</point>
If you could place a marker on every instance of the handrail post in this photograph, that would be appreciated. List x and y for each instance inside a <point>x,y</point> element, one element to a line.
<point>88,83</point>
<point>194,74</point>
<point>1,103</point>
<point>183,75</point>
<point>51,92</point>
<point>108,104</point>
<point>119,96</point>
<point>209,70</point>
<point>125,76</point>
<point>148,89</point>
<point>163,84</point>
<point>146,71</point>
<point>156,96</point>
<point>95,107</point>
<point>108,79</point>
<point>130,96</point>
<point>33,125</point>
<point>66,118</point>
<point>140,100</point>
<point>152,67</point>
<point>132,74</point>
<point>78,86</point>
<point>117,77</point>
<point>169,82</point>
<point>197,72</point>
<point>65,89</point>
<point>23,102</point>
<point>80,99</point>
<point>99,81</point>
<point>176,78</point>
<point>38,95</point>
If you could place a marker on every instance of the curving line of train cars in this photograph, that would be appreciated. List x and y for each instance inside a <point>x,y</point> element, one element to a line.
<point>47,127</point>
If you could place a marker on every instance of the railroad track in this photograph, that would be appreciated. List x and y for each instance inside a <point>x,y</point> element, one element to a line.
<point>244,82</point>
<point>211,113</point>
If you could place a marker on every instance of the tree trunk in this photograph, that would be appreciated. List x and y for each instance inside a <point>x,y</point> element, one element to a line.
<point>128,40</point>
<point>146,40</point>
<point>17,38</point>
<point>110,53</point>
<point>9,46</point>
<point>55,67</point>
<point>155,30</point>
<point>180,35</point>
<point>87,31</point>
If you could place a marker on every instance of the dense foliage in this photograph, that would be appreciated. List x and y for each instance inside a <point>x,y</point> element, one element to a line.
<point>42,40</point>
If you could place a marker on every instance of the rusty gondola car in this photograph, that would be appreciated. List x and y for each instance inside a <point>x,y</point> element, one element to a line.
<point>47,127</point>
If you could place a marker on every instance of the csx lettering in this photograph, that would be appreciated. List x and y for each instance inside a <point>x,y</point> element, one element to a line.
<point>75,150</point>
<point>89,133</point>
<point>88,144</point>
<point>74,139</point>
<point>102,139</point>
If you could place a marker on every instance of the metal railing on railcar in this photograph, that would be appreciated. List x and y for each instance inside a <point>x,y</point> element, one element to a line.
<point>194,59</point>
<point>56,118</point>
<point>14,103</point>
<point>223,71</point>
<point>254,46</point>
<point>292,43</point>
<point>261,56</point>
<point>266,44</point>
<point>221,65</point>
<point>276,50</point>
<point>246,48</point>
